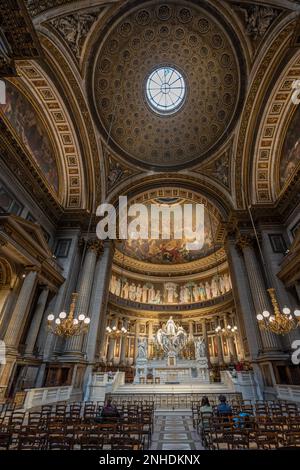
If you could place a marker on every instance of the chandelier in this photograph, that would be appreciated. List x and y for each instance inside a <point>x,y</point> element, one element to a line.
<point>114,331</point>
<point>280,323</point>
<point>228,331</point>
<point>66,325</point>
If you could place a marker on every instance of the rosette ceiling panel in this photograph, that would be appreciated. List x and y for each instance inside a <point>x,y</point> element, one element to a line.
<point>167,83</point>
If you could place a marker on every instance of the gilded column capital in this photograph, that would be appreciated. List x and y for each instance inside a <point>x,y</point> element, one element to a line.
<point>244,240</point>
<point>95,245</point>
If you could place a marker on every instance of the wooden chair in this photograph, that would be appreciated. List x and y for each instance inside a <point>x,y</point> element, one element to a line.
<point>5,440</point>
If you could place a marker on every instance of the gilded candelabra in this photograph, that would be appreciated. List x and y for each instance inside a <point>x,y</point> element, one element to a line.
<point>280,323</point>
<point>66,325</point>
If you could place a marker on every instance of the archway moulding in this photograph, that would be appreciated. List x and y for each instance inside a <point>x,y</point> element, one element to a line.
<point>265,71</point>
<point>272,131</point>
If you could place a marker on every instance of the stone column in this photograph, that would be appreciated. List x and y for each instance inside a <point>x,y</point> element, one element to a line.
<point>150,338</point>
<point>204,330</point>
<point>111,349</point>
<point>243,301</point>
<point>74,344</point>
<point>123,345</point>
<point>94,342</point>
<point>220,350</point>
<point>137,332</point>
<point>16,324</point>
<point>36,321</point>
<point>191,329</point>
<point>270,342</point>
<point>20,312</point>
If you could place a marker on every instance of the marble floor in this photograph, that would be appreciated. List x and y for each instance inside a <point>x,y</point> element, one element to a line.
<point>175,432</point>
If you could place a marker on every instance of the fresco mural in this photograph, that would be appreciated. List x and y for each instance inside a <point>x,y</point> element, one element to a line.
<point>31,131</point>
<point>290,158</point>
<point>170,292</point>
<point>171,251</point>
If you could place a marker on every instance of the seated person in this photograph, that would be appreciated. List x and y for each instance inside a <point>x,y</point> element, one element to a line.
<point>110,410</point>
<point>223,409</point>
<point>205,406</point>
<point>206,412</point>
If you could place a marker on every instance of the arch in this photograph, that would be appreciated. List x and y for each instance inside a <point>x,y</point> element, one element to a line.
<point>278,113</point>
<point>141,183</point>
<point>275,52</point>
<point>63,132</point>
<point>6,274</point>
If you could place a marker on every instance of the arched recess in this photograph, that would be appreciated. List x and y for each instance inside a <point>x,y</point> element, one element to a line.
<point>276,51</point>
<point>7,279</point>
<point>266,187</point>
<point>70,85</point>
<point>183,183</point>
<point>63,132</point>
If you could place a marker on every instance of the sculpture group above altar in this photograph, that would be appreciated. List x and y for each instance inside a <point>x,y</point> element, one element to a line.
<point>170,341</point>
<point>171,292</point>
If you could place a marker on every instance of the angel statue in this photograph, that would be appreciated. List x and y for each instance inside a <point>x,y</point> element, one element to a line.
<point>142,348</point>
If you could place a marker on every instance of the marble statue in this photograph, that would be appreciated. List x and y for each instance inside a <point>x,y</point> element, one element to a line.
<point>171,327</point>
<point>200,348</point>
<point>142,348</point>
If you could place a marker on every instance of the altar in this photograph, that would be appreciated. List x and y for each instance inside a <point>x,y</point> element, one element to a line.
<point>172,369</point>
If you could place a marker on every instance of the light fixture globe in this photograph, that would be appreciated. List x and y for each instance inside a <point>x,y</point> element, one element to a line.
<point>50,317</point>
<point>62,315</point>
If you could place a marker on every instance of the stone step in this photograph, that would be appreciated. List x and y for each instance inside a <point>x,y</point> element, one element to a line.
<point>172,388</point>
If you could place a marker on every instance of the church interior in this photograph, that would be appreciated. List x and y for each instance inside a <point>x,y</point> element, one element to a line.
<point>166,103</point>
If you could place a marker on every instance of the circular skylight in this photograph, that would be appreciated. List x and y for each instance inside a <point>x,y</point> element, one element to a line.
<point>165,90</point>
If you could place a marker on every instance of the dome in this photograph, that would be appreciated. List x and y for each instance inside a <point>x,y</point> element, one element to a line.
<point>194,44</point>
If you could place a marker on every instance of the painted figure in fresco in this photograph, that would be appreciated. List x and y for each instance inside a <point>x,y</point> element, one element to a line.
<point>202,291</point>
<point>118,287</point>
<point>151,295</point>
<point>125,290</point>
<point>139,293</point>
<point>31,131</point>
<point>132,290</point>
<point>196,293</point>
<point>214,287</point>
<point>208,290</point>
<point>145,294</point>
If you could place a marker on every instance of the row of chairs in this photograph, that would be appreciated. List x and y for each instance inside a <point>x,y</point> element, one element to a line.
<point>77,425</point>
<point>108,436</point>
<point>258,408</point>
<point>246,431</point>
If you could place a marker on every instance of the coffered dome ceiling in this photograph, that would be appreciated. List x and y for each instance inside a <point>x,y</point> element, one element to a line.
<point>193,40</point>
